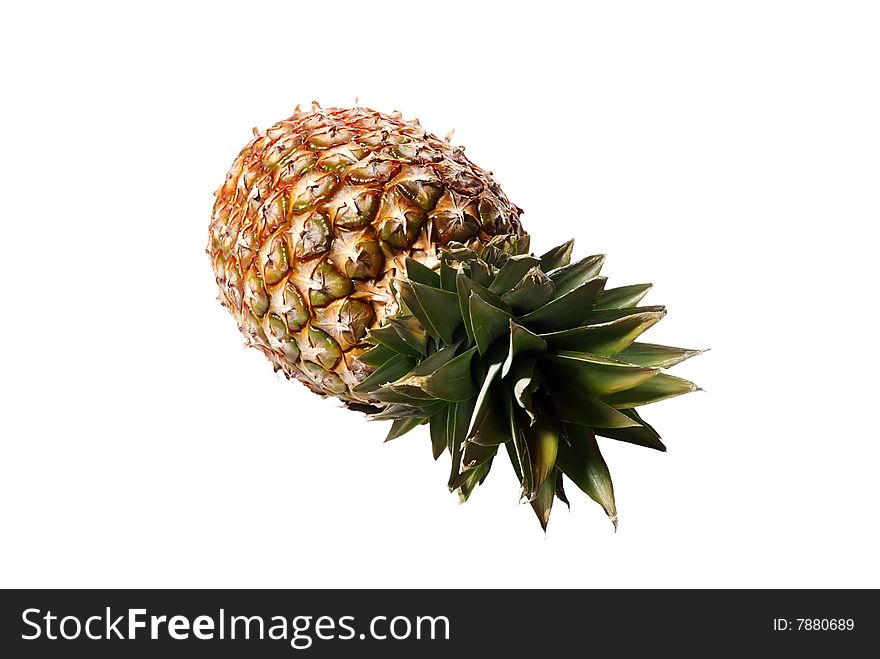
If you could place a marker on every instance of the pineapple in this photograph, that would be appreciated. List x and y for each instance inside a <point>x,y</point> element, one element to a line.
<point>373,262</point>
<point>314,221</point>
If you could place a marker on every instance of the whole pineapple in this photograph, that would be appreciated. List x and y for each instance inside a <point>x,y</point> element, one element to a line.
<point>315,220</point>
<point>375,263</point>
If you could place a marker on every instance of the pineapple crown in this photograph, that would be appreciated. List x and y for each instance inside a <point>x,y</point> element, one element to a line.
<point>499,347</point>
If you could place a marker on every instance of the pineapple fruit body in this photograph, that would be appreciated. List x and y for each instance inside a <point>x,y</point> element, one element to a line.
<point>316,219</point>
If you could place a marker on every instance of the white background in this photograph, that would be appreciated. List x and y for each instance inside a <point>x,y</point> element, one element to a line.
<point>728,152</point>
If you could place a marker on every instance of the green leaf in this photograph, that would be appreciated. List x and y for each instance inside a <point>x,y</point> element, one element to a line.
<point>480,273</point>
<point>650,354</point>
<point>521,341</point>
<point>595,374</point>
<point>624,297</point>
<point>466,287</point>
<point>557,257</point>
<point>401,395</point>
<point>514,460</point>
<point>436,360</point>
<point>608,315</point>
<point>605,338</point>
<point>481,408</point>
<point>582,462</point>
<point>389,337</point>
<point>658,388</point>
<point>440,308</point>
<point>390,371</point>
<point>439,442</point>
<point>403,426</point>
<point>452,381</point>
<point>576,406</point>
<point>520,447</point>
<point>487,322</point>
<point>475,477</point>
<point>512,272</point>
<point>543,501</point>
<point>571,276</point>
<point>377,355</point>
<point>402,411</point>
<point>560,490</point>
<point>457,422</point>
<point>421,273</point>
<point>525,382</point>
<point>411,331</point>
<point>567,311</point>
<point>534,291</point>
<point>642,435</point>
<point>474,454</point>
<point>493,429</point>
<point>543,442</point>
<point>447,277</point>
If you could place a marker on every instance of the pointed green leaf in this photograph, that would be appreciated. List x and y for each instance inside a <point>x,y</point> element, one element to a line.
<point>660,387</point>
<point>624,297</point>
<point>558,257</point>
<point>439,441</point>
<point>474,454</point>
<point>421,273</point>
<point>433,362</point>
<point>567,311</point>
<point>466,287</point>
<point>411,331</point>
<point>514,460</point>
<point>452,381</point>
<point>560,490</point>
<point>401,411</point>
<point>410,303</point>
<point>534,291</point>
<point>582,462</point>
<point>457,422</point>
<point>512,272</point>
<point>447,277</point>
<point>493,429</point>
<point>390,371</point>
<point>650,354</point>
<point>641,435</point>
<point>596,375</point>
<point>475,477</point>
<point>481,408</point>
<point>401,395</point>
<point>605,338</point>
<point>576,406</point>
<point>389,337</point>
<point>377,355</point>
<point>403,426</point>
<point>521,341</point>
<point>571,276</point>
<point>607,315</point>
<point>487,322</point>
<point>480,273</point>
<point>543,501</point>
<point>525,381</point>
<point>520,446</point>
<point>543,441</point>
<point>441,309</point>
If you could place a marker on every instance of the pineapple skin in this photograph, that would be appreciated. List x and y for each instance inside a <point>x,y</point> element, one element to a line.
<point>315,220</point>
